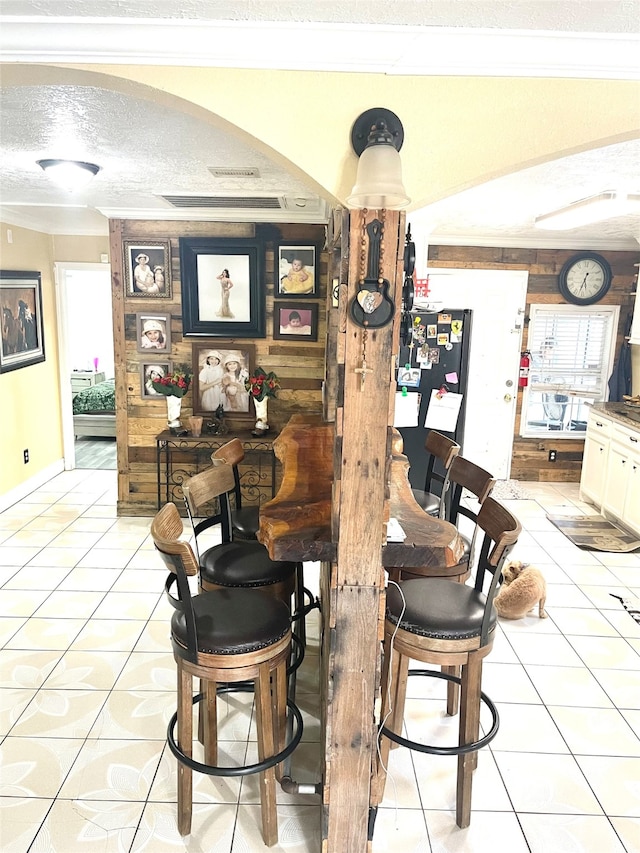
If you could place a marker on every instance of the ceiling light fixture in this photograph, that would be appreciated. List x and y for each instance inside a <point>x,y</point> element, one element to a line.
<point>70,174</point>
<point>377,136</point>
<point>595,208</point>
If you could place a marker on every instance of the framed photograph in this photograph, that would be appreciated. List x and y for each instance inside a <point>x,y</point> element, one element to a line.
<point>153,333</point>
<point>147,269</point>
<point>295,321</point>
<point>22,332</point>
<point>148,371</point>
<point>220,369</point>
<point>223,293</point>
<point>297,271</point>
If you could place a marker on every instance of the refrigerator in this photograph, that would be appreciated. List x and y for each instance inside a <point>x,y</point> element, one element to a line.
<point>444,338</point>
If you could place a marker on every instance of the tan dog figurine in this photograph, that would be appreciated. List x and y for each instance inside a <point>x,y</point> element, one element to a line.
<point>523,587</point>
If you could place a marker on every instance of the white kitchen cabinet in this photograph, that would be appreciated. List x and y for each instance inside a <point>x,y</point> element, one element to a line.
<point>617,474</point>
<point>611,469</point>
<point>594,460</point>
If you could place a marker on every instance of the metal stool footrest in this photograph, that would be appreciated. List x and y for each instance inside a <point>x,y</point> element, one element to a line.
<point>242,770</point>
<point>460,749</point>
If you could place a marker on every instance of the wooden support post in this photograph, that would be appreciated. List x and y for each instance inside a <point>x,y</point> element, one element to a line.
<point>359,510</point>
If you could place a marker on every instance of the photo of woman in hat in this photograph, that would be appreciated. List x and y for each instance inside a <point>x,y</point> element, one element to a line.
<point>147,269</point>
<point>236,396</point>
<point>210,382</point>
<point>143,276</point>
<point>153,335</point>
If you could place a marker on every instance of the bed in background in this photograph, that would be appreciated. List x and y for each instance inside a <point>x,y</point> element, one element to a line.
<point>94,410</point>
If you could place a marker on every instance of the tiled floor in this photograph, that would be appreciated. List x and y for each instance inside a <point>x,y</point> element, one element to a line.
<point>87,684</point>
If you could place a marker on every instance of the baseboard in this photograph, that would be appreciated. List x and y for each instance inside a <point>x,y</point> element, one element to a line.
<point>30,485</point>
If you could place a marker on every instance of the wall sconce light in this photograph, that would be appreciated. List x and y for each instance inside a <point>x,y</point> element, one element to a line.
<point>595,208</point>
<point>70,174</point>
<point>377,136</point>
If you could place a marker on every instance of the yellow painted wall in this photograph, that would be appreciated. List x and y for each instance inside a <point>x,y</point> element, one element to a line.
<point>30,416</point>
<point>30,397</point>
<point>79,250</point>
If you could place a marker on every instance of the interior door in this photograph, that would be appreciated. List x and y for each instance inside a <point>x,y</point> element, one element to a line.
<point>83,300</point>
<point>497,299</point>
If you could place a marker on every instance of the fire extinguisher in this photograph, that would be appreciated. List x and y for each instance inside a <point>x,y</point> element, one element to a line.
<point>525,364</point>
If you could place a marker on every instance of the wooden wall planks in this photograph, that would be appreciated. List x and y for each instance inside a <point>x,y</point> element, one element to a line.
<point>300,366</point>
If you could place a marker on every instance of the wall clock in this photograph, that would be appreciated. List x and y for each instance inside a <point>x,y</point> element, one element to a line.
<point>585,278</point>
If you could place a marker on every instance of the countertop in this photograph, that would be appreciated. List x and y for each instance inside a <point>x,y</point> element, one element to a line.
<point>618,412</point>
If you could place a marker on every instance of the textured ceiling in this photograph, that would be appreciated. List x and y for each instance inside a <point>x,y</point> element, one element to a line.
<point>605,16</point>
<point>35,120</point>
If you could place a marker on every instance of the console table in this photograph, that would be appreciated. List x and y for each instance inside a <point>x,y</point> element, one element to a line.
<point>180,457</point>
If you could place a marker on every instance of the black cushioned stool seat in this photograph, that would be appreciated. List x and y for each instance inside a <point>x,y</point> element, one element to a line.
<point>232,623</point>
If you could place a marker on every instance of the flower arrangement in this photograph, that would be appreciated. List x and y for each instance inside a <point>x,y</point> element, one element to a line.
<point>261,384</point>
<point>174,384</point>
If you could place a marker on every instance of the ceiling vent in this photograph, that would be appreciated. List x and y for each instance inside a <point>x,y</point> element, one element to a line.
<point>230,172</point>
<point>224,202</point>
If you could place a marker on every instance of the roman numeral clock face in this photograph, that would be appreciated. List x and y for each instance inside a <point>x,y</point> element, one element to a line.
<point>584,279</point>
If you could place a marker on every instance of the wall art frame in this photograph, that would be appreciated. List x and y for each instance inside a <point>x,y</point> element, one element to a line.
<point>295,321</point>
<point>150,279</point>
<point>216,383</point>
<point>297,269</point>
<point>223,291</point>
<point>153,333</point>
<point>22,339</point>
<point>147,370</point>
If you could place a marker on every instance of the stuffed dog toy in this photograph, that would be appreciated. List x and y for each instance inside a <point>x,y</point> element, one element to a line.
<point>523,586</point>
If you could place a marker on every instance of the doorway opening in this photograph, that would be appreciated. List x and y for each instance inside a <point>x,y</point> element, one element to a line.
<point>87,382</point>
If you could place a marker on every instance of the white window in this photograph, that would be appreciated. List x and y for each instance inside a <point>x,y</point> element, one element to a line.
<point>572,353</point>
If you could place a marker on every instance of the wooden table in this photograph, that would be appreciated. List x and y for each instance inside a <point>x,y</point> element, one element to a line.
<point>300,524</point>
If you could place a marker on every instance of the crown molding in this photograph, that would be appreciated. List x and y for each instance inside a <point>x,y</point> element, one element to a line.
<point>382,49</point>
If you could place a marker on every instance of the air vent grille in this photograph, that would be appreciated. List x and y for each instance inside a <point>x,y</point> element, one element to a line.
<point>230,172</point>
<point>224,202</point>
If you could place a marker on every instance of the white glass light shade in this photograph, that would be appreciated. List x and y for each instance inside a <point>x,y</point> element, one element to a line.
<point>379,179</point>
<point>71,174</point>
<point>596,208</point>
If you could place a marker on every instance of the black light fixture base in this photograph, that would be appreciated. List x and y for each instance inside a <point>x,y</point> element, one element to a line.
<point>363,124</point>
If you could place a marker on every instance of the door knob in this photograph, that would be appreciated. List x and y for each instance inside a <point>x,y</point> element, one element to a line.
<point>508,398</point>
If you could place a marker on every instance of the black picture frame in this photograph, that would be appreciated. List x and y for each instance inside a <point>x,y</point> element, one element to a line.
<point>156,283</point>
<point>308,254</point>
<point>147,321</point>
<point>22,340</point>
<point>147,391</point>
<point>307,314</point>
<point>211,356</point>
<point>211,309</point>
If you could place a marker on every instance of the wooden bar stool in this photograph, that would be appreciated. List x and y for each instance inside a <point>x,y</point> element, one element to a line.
<point>245,520</point>
<point>245,523</point>
<point>232,563</point>
<point>441,450</point>
<point>228,636</point>
<point>447,624</point>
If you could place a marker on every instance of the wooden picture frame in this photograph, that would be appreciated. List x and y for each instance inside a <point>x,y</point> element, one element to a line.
<point>215,383</point>
<point>153,333</point>
<point>223,292</point>
<point>297,269</point>
<point>147,392</point>
<point>305,321</point>
<point>22,340</point>
<point>150,279</point>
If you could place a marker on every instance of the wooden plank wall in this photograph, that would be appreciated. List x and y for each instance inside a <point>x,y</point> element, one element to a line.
<point>530,455</point>
<point>300,366</point>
